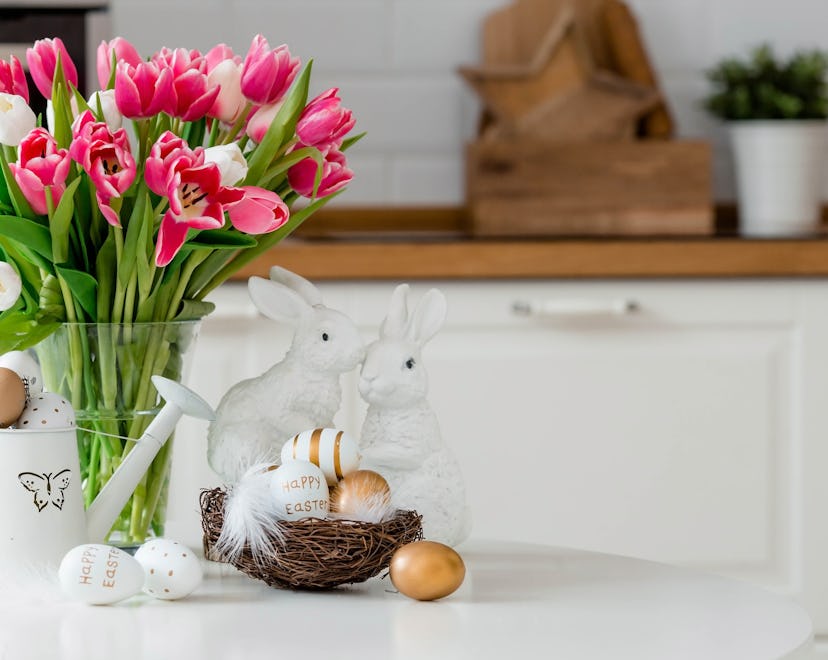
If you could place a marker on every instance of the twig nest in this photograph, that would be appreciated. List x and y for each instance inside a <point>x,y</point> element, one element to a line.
<point>313,553</point>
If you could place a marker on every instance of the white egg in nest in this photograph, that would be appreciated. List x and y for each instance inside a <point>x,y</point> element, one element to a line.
<point>25,366</point>
<point>47,410</point>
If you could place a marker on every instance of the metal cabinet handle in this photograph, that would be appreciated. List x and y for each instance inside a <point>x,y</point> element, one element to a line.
<point>574,307</point>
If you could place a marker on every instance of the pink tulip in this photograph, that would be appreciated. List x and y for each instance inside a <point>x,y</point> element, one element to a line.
<point>335,175</point>
<point>218,54</point>
<point>13,78</point>
<point>192,96</point>
<point>180,60</point>
<point>160,164</point>
<point>123,51</point>
<point>40,164</point>
<point>324,123</point>
<point>197,203</point>
<point>106,158</point>
<point>260,120</point>
<point>42,59</point>
<point>230,101</point>
<point>260,211</point>
<point>143,90</point>
<point>267,74</point>
<point>193,188</point>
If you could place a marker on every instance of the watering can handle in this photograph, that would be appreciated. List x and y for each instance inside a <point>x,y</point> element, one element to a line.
<point>104,510</point>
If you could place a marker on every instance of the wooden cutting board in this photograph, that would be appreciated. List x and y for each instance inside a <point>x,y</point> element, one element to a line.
<point>559,66</point>
<point>629,58</point>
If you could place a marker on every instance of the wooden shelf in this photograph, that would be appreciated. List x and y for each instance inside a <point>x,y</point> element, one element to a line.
<point>432,243</point>
<point>459,258</point>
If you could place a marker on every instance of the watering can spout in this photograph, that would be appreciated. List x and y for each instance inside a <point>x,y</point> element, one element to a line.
<point>179,401</point>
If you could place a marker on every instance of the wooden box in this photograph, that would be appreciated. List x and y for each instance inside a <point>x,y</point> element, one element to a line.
<point>541,188</point>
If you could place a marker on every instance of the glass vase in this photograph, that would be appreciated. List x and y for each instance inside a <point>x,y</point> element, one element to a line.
<point>105,370</point>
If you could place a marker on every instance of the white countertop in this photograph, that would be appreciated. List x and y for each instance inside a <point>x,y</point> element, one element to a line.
<point>518,601</point>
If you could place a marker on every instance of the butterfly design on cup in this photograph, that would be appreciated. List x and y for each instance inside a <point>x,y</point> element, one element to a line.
<point>47,487</point>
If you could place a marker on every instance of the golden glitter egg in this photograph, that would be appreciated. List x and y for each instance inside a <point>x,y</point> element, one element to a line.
<point>362,495</point>
<point>427,570</point>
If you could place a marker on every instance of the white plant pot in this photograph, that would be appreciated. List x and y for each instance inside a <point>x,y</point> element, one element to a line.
<point>779,176</point>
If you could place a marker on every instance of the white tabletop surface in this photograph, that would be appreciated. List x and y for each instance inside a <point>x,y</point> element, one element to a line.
<point>518,601</point>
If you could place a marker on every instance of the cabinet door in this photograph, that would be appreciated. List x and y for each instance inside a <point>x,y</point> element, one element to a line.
<point>662,432</point>
<point>676,421</point>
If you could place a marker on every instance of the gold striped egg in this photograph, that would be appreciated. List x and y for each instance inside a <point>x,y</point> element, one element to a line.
<point>334,451</point>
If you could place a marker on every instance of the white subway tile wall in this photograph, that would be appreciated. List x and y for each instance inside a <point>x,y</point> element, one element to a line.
<point>395,62</point>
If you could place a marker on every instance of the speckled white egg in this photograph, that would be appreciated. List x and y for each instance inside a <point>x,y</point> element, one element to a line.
<point>172,570</point>
<point>336,452</point>
<point>300,490</point>
<point>99,574</point>
<point>25,366</point>
<point>47,410</point>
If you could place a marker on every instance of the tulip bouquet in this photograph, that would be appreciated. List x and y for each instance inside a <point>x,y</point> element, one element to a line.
<point>127,208</point>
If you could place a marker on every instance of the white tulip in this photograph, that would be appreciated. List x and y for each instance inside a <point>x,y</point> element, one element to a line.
<point>112,116</point>
<point>10,286</point>
<point>17,119</point>
<point>230,161</point>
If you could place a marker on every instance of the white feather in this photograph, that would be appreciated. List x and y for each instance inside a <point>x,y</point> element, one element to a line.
<point>375,508</point>
<point>251,517</point>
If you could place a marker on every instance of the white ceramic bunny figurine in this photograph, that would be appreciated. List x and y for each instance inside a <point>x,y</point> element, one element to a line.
<point>401,437</point>
<point>257,416</point>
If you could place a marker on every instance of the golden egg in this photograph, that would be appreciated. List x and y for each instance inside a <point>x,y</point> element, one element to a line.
<point>360,491</point>
<point>12,397</point>
<point>427,570</point>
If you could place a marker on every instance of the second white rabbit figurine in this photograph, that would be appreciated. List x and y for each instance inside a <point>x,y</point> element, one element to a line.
<point>401,437</point>
<point>258,415</point>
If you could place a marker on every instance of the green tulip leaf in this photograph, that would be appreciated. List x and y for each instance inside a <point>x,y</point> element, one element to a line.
<point>281,129</point>
<point>19,331</point>
<point>192,310</point>
<point>220,239</point>
<point>28,233</point>
<point>349,142</point>
<point>60,222</point>
<point>83,287</point>
<point>21,206</point>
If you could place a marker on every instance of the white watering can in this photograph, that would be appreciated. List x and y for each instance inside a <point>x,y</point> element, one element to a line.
<point>42,515</point>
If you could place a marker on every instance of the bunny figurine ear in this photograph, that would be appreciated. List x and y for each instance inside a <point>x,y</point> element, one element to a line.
<point>428,317</point>
<point>395,322</point>
<point>276,301</point>
<point>299,284</point>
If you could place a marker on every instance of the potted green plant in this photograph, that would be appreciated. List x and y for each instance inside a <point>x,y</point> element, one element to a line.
<point>776,112</point>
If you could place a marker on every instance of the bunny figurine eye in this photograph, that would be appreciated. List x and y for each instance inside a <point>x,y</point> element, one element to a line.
<point>325,336</point>
<point>409,363</point>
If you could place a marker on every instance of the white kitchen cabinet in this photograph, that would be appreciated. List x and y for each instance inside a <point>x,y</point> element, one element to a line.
<point>681,421</point>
